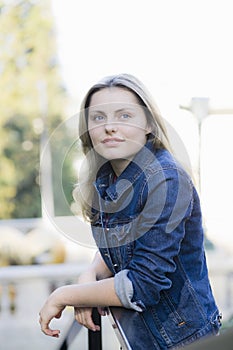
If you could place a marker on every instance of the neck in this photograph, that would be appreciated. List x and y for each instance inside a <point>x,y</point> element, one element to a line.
<point>119,165</point>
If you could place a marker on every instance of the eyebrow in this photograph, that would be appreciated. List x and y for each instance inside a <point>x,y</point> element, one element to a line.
<point>118,110</point>
<point>95,111</point>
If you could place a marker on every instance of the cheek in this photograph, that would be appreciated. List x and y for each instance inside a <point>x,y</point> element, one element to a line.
<point>137,133</point>
<point>94,136</point>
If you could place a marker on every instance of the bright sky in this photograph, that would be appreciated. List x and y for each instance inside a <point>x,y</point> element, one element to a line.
<point>179,49</point>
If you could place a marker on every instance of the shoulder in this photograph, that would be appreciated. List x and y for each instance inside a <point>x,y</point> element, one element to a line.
<point>165,162</point>
<point>166,172</point>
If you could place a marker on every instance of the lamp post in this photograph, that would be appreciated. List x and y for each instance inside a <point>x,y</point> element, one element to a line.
<point>199,107</point>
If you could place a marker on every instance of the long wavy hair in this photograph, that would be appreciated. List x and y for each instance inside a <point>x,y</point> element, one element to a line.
<point>84,190</point>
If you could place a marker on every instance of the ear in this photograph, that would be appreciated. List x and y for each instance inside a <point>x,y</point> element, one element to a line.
<point>148,130</point>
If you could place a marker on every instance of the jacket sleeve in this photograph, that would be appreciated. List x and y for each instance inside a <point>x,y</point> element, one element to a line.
<point>160,231</point>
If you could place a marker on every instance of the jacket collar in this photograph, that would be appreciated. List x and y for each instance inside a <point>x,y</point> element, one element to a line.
<point>105,184</point>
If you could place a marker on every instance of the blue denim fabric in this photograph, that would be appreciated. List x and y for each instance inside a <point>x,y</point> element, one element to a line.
<point>148,227</point>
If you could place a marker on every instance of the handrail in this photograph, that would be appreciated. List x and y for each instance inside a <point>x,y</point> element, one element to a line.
<point>130,329</point>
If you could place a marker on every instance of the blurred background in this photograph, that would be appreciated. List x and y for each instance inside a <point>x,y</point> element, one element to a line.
<point>51,52</point>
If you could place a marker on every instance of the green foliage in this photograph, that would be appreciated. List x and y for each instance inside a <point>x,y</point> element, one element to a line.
<point>27,62</point>
<point>22,148</point>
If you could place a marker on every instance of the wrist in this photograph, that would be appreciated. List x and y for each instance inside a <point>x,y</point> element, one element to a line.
<point>57,296</point>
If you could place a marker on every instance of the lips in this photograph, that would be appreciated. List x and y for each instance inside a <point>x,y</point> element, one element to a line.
<point>112,140</point>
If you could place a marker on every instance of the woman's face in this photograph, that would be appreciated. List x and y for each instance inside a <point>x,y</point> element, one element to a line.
<point>117,125</point>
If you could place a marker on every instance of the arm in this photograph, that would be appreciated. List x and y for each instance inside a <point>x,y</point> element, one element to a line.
<point>160,230</point>
<point>85,295</point>
<point>98,270</point>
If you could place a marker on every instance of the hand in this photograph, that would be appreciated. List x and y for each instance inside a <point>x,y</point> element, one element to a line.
<point>83,316</point>
<point>51,309</point>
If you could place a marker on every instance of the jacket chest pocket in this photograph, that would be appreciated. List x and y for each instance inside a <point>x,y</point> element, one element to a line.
<point>119,235</point>
<point>116,243</point>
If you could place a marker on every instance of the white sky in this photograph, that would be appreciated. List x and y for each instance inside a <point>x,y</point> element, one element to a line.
<point>180,49</point>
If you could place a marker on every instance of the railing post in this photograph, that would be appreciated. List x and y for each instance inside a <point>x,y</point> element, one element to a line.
<point>95,338</point>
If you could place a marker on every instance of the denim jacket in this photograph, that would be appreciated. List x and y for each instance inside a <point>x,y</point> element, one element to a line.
<point>148,228</point>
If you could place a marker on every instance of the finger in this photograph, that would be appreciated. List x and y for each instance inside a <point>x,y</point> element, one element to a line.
<point>52,332</point>
<point>47,330</point>
<point>80,313</point>
<point>84,317</point>
<point>58,315</point>
<point>103,311</point>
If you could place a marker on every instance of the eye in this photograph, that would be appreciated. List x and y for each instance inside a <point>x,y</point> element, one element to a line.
<point>124,116</point>
<point>98,118</point>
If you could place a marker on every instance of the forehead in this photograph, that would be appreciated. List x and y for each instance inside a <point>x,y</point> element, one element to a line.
<point>113,96</point>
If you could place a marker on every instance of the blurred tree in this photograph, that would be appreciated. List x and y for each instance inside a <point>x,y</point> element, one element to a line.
<point>27,58</point>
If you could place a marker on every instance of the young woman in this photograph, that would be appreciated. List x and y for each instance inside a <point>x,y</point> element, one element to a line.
<point>146,220</point>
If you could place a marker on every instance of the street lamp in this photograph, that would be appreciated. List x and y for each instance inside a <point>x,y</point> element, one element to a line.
<point>199,107</point>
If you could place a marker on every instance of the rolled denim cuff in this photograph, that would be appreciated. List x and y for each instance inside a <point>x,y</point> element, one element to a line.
<point>124,290</point>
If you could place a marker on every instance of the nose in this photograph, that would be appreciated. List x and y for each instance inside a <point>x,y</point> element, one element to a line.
<point>110,127</point>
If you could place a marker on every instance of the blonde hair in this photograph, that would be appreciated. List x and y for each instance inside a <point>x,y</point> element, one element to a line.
<point>83,192</point>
